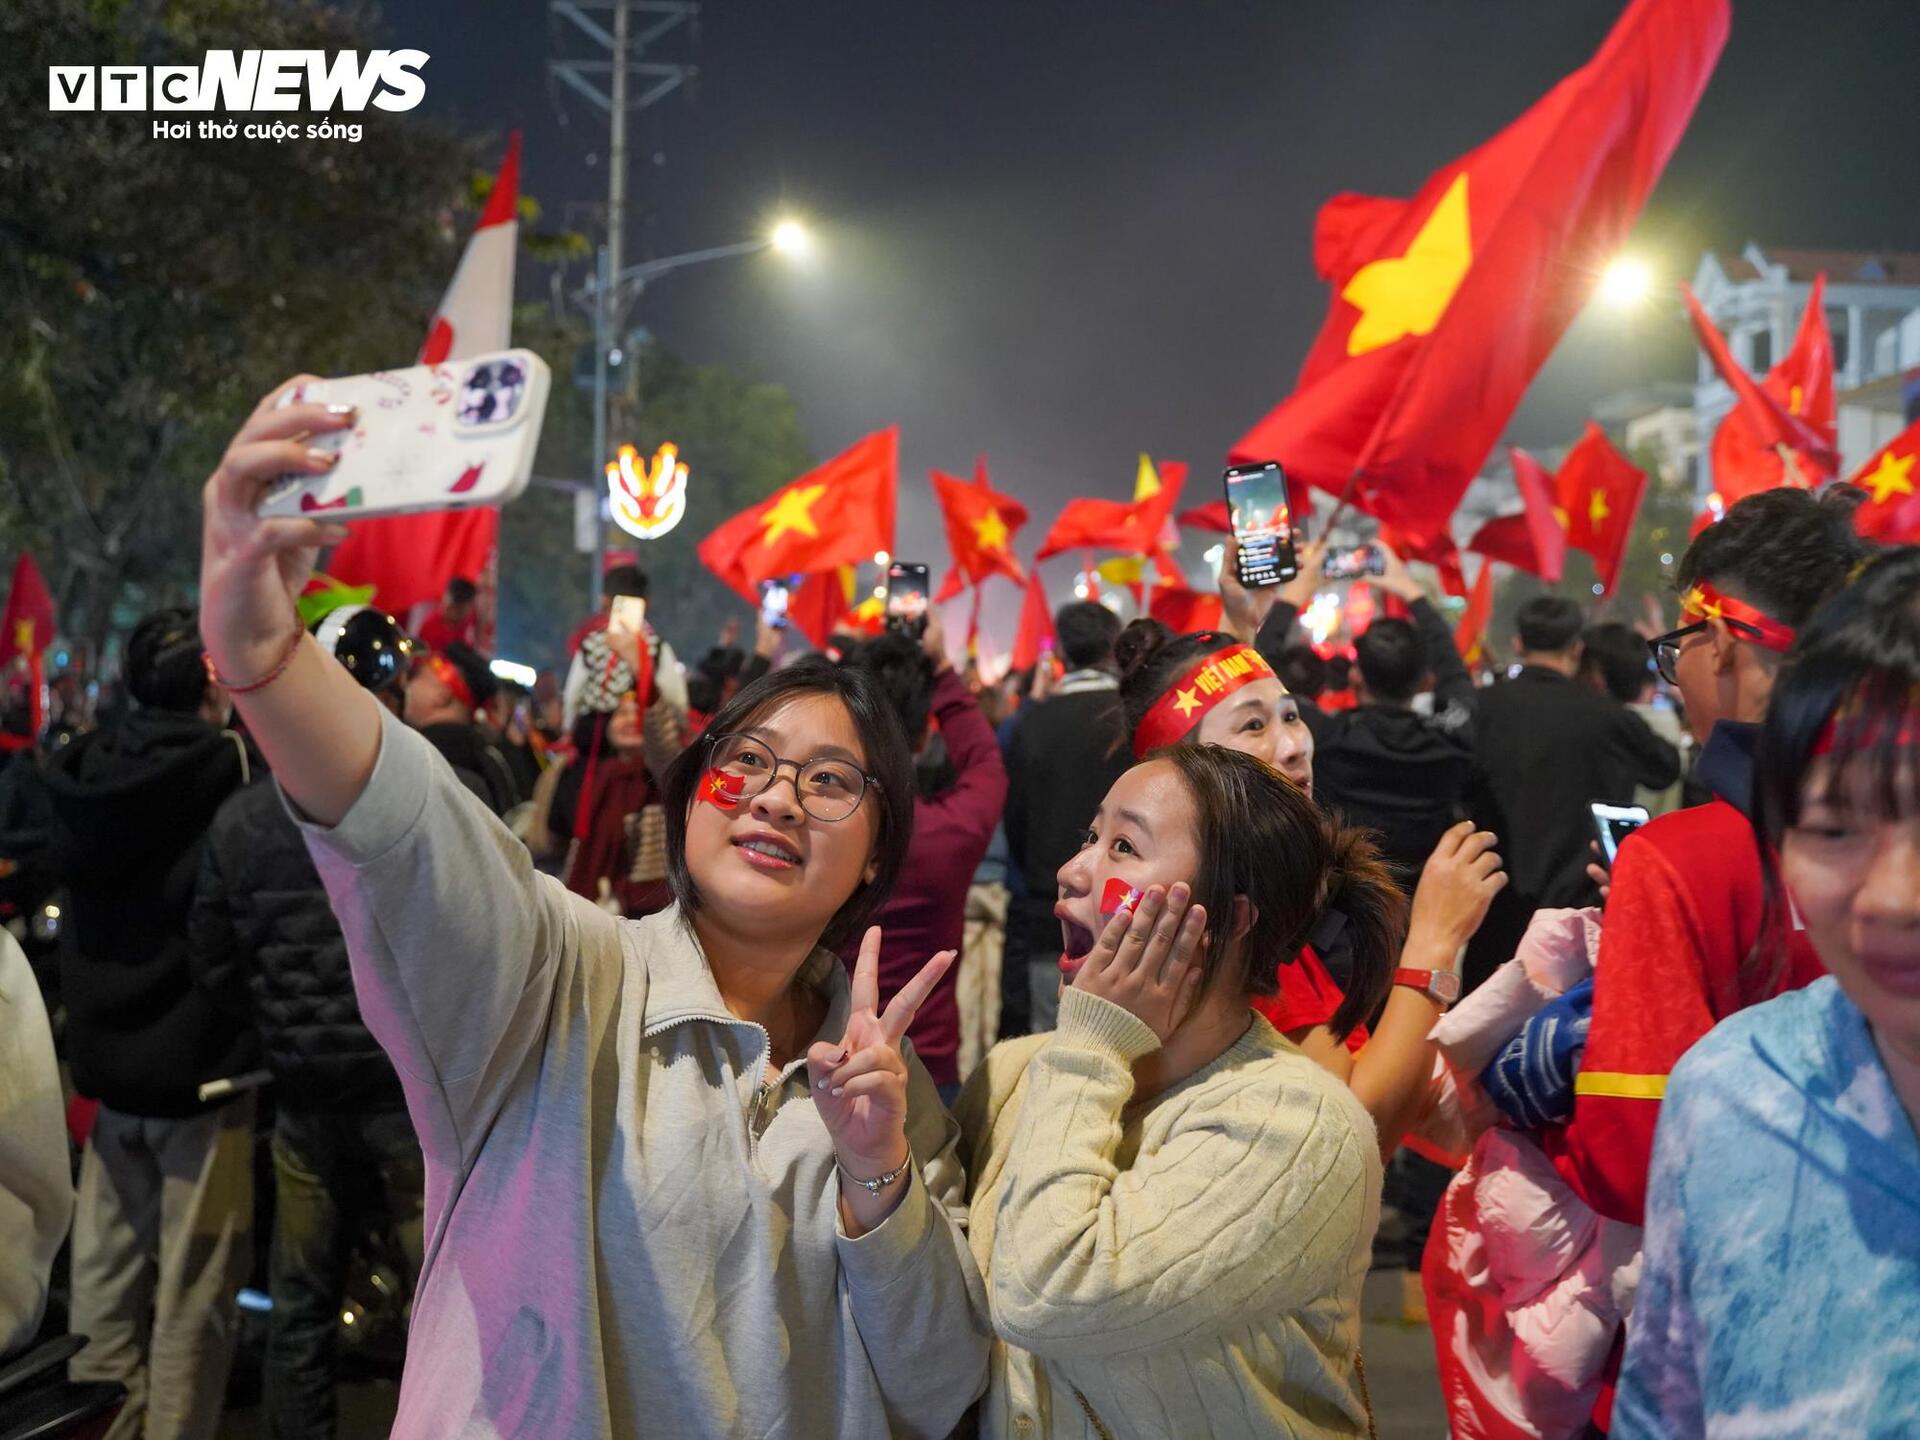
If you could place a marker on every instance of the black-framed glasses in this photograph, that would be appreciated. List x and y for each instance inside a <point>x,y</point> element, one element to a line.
<point>1665,649</point>
<point>828,787</point>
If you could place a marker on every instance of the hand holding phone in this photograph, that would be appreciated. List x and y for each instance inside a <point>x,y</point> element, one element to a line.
<point>775,596</point>
<point>1262,519</point>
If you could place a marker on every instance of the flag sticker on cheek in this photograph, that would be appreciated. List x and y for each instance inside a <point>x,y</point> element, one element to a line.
<point>721,790</point>
<point>1119,893</point>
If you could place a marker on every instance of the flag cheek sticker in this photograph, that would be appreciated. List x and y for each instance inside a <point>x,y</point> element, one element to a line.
<point>721,790</point>
<point>1119,893</point>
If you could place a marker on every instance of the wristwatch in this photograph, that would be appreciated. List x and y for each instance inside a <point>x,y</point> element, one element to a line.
<point>879,1182</point>
<point>1440,986</point>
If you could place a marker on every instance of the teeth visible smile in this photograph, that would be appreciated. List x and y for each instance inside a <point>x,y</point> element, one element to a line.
<point>761,847</point>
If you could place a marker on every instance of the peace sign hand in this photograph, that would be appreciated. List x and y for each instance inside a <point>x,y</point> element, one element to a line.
<point>860,1085</point>
<point>1146,961</point>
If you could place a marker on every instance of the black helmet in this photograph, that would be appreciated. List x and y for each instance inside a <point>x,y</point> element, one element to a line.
<point>369,642</point>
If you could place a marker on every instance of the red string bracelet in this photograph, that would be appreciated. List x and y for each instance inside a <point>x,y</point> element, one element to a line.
<point>279,669</point>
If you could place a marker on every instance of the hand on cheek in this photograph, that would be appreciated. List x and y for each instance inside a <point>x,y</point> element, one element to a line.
<point>1146,959</point>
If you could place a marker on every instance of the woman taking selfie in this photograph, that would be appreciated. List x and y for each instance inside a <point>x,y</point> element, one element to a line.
<point>1173,1206</point>
<point>682,1179</point>
<point>1210,689</point>
<point>1779,1294</point>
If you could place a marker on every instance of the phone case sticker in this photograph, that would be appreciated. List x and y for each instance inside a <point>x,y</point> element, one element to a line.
<point>469,478</point>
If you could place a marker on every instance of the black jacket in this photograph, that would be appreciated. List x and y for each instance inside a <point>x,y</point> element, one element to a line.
<point>262,927</point>
<point>1546,750</point>
<point>131,809</point>
<point>476,761</point>
<point>1387,768</point>
<point>1063,757</point>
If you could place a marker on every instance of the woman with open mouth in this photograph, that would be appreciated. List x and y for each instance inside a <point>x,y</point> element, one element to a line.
<point>1173,1205</point>
<point>1777,1294</point>
<point>683,1178</point>
<point>1210,689</point>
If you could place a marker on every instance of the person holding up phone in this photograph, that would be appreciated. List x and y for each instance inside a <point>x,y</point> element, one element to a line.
<point>682,1176</point>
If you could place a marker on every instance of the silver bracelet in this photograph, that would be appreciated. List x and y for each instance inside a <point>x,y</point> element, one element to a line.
<point>880,1182</point>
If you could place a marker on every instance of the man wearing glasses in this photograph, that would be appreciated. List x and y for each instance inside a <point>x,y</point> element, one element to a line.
<point>1685,909</point>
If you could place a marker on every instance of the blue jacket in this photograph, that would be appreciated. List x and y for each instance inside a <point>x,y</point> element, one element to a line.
<point>1781,1290</point>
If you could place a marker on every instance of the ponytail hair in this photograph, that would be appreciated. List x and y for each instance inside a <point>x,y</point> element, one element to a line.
<point>1151,657</point>
<point>1260,837</point>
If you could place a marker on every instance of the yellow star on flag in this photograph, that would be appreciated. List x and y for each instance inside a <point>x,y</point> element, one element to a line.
<point>794,512</point>
<point>1407,294</point>
<point>1146,481</point>
<point>1186,702</point>
<point>990,531</point>
<point>1597,508</point>
<point>1893,476</point>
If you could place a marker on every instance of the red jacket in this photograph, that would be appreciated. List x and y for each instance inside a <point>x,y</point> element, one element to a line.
<point>927,911</point>
<point>1676,958</point>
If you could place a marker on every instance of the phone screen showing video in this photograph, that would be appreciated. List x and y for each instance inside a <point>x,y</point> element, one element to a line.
<point>1361,563</point>
<point>907,595</point>
<point>1262,523</point>
<point>774,597</point>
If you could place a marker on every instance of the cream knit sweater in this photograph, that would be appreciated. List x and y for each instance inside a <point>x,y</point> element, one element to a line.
<point>1192,1269</point>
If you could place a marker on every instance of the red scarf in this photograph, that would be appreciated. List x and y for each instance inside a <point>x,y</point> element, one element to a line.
<point>611,789</point>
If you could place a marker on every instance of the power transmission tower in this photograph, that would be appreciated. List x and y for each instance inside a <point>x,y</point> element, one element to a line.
<point>634,26</point>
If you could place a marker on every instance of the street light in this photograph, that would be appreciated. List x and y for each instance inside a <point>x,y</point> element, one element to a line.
<point>610,297</point>
<point>1626,283</point>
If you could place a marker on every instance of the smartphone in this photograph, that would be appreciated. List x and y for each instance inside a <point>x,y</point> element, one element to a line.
<point>435,437</point>
<point>1613,823</point>
<point>1262,523</point>
<point>629,614</point>
<point>1361,562</point>
<point>907,593</point>
<point>774,595</point>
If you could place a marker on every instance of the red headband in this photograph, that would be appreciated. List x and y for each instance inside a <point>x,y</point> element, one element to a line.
<point>1189,698</point>
<point>1823,743</point>
<point>1703,602</point>
<point>448,674</point>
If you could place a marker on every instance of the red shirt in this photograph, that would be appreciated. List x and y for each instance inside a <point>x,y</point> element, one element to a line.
<point>437,631</point>
<point>1308,996</point>
<point>1675,959</point>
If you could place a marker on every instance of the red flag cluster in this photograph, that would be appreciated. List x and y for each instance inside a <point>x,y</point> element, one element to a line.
<point>1590,505</point>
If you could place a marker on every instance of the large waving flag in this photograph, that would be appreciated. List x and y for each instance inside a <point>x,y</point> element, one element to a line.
<point>1137,527</point>
<point>408,559</point>
<point>1446,304</point>
<point>839,514</point>
<point>1781,431</point>
<point>981,524</point>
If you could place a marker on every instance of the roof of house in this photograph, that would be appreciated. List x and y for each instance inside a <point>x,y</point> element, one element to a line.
<point>1839,266</point>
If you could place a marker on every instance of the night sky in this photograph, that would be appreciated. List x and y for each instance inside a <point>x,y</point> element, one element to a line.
<point>1064,233</point>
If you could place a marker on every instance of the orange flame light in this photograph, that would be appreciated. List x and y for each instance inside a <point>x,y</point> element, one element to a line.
<point>648,500</point>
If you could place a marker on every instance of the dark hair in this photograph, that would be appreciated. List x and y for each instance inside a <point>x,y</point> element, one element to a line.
<point>1260,836</point>
<point>164,666</point>
<point>1302,671</point>
<point>462,591</point>
<point>1151,657</point>
<point>1391,659</point>
<point>1782,550</point>
<point>625,580</point>
<point>889,760</point>
<point>1856,662</point>
<point>1616,656</point>
<point>1339,672</point>
<point>473,668</point>
<point>905,675</point>
<point>1085,631</point>
<point>1548,623</point>
<point>703,691</point>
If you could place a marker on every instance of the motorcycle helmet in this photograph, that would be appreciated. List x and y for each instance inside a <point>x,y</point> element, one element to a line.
<point>369,642</point>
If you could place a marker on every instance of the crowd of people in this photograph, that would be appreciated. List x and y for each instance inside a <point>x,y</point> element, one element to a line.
<point>809,1045</point>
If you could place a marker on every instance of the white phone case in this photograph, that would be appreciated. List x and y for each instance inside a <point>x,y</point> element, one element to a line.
<point>435,437</point>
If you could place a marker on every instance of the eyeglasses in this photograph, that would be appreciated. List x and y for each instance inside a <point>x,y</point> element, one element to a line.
<point>1665,649</point>
<point>828,789</point>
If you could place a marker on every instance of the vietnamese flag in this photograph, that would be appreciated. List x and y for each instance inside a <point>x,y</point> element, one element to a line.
<point>1036,623</point>
<point>981,524</point>
<point>1446,305</point>
<point>1780,431</point>
<point>839,514</point>
<point>1470,638</point>
<point>818,602</point>
<point>1185,611</point>
<point>1211,516</point>
<point>1891,511</point>
<point>1441,553</point>
<point>1136,527</point>
<point>1533,540</point>
<point>1598,493</point>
